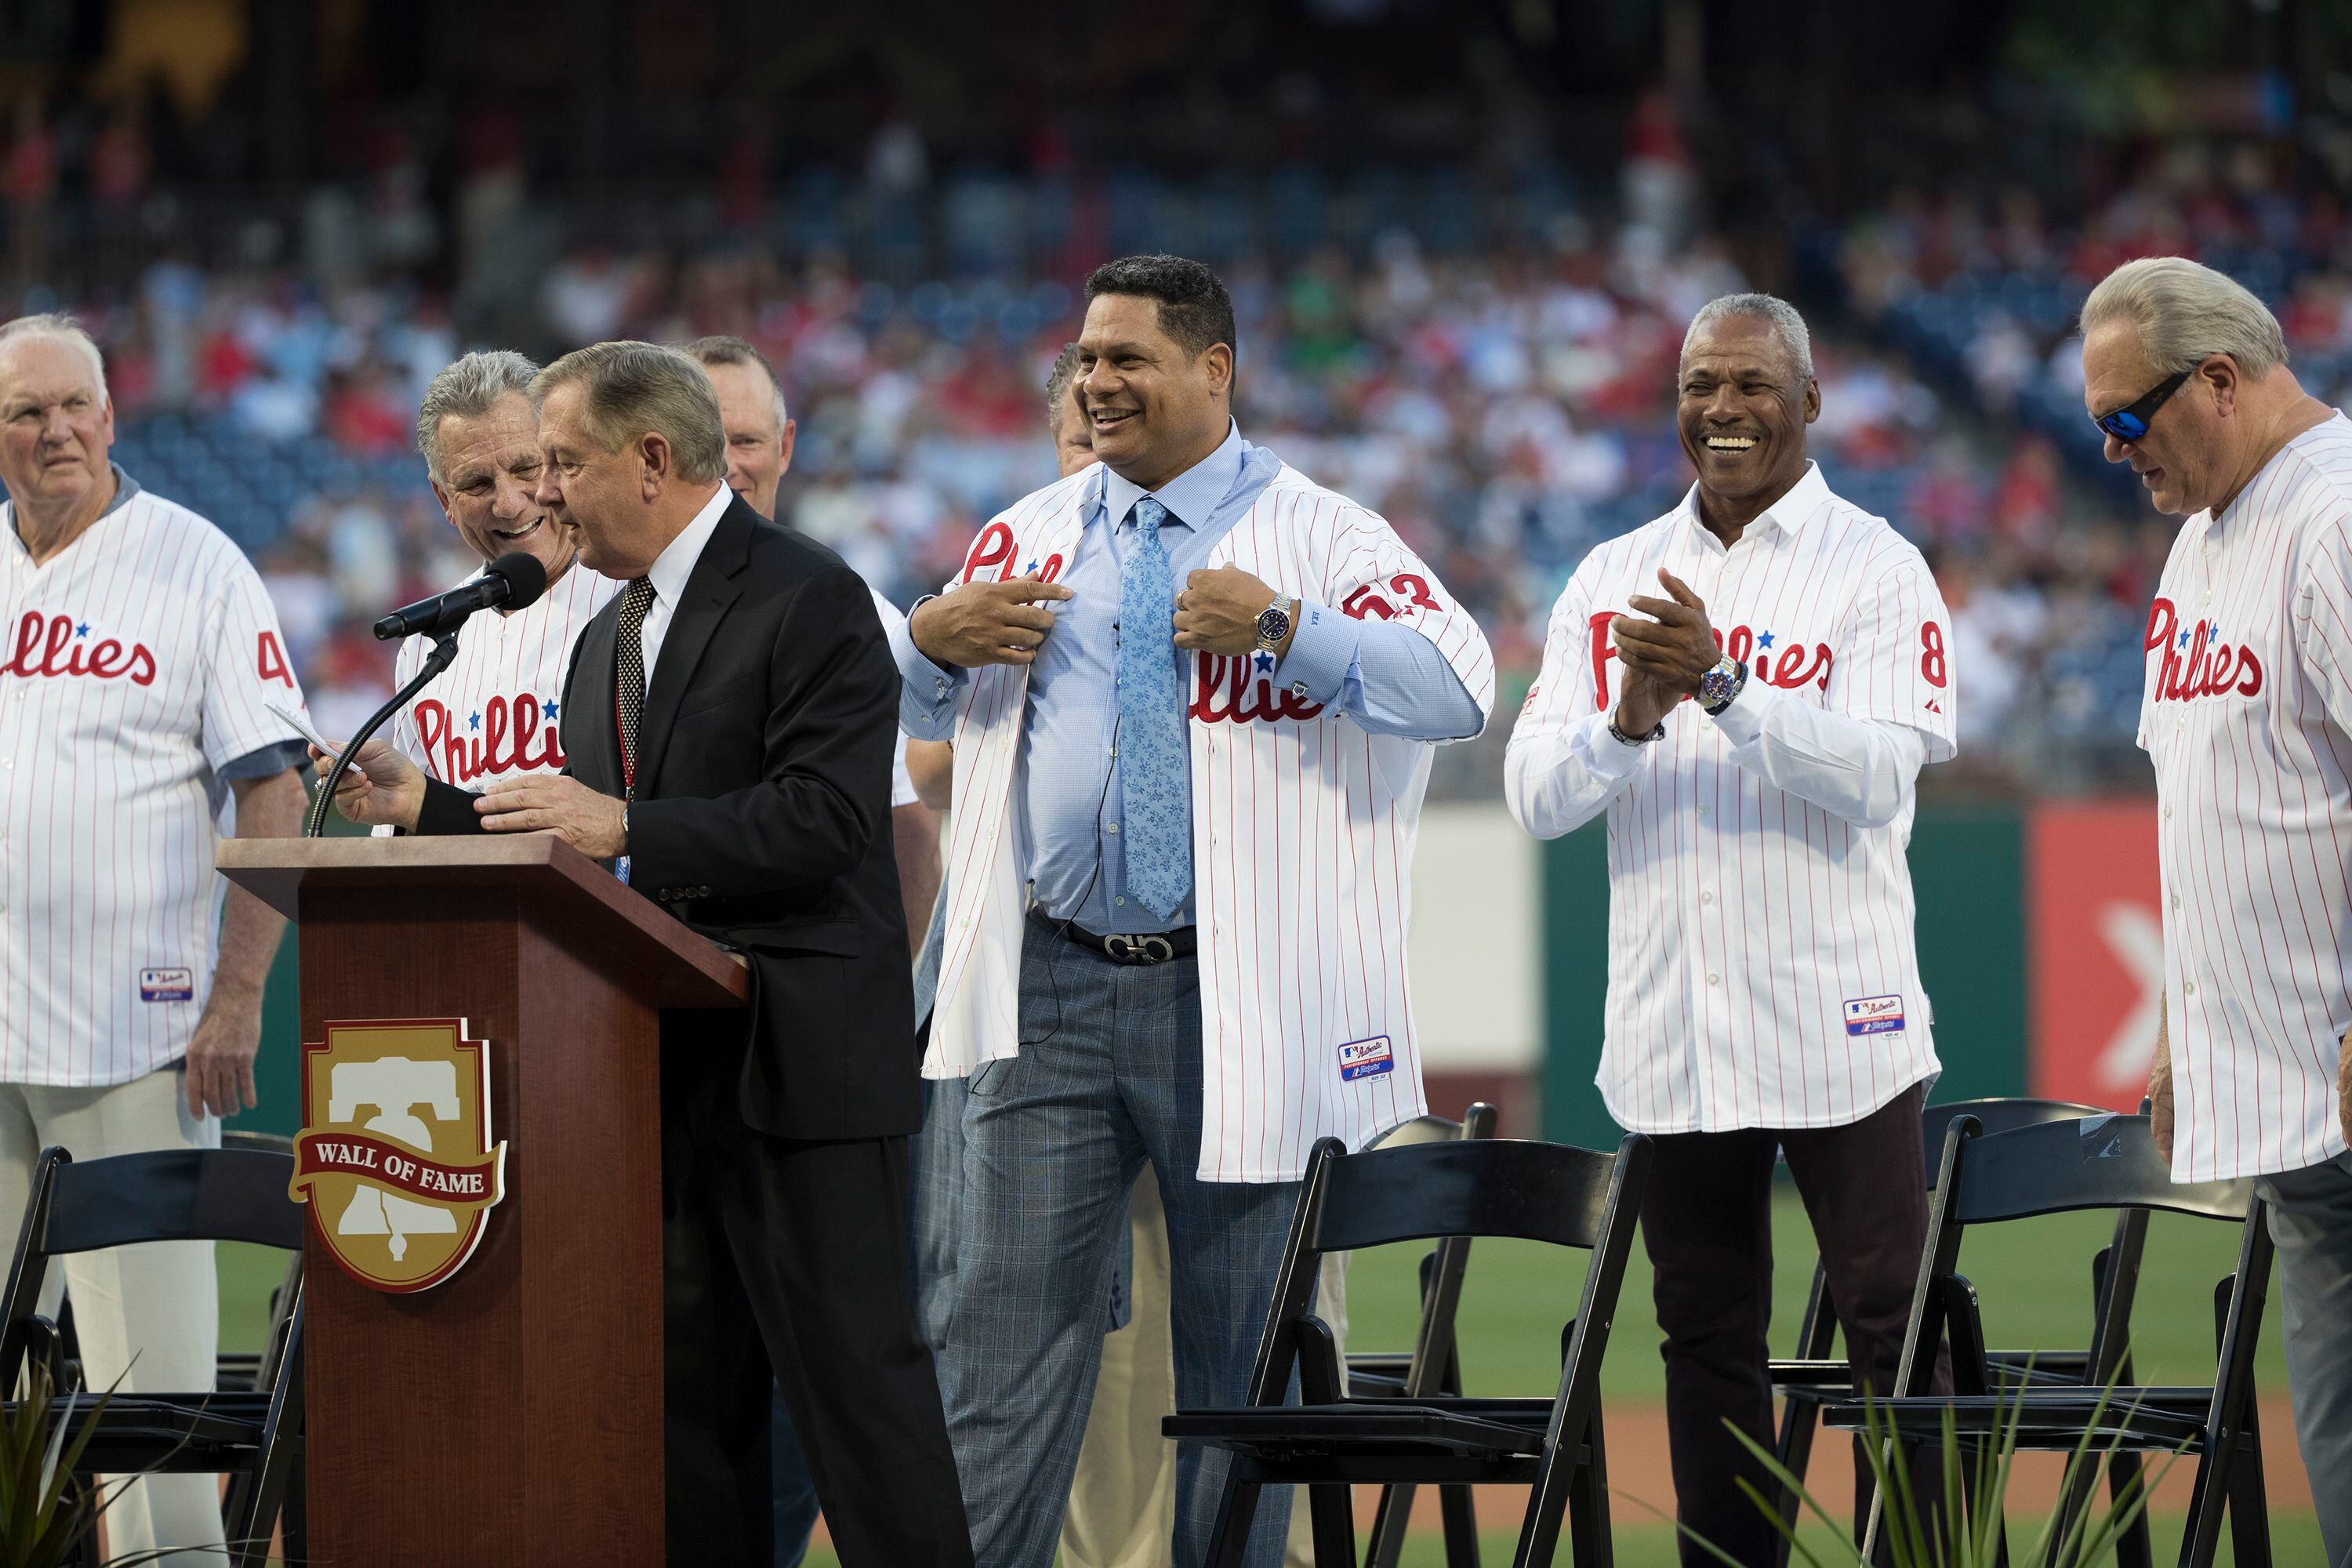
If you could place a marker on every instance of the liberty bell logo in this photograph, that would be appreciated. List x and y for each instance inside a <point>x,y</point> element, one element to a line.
<point>395,1157</point>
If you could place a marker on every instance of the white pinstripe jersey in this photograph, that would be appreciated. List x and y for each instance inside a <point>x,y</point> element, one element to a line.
<point>1303,830</point>
<point>2247,713</point>
<point>1762,971</point>
<point>495,711</point>
<point>134,665</point>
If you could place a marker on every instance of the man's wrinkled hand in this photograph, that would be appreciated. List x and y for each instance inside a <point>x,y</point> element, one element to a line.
<point>220,1056</point>
<point>553,803</point>
<point>1674,649</point>
<point>1643,702</point>
<point>1217,613</point>
<point>382,786</point>
<point>2159,1093</point>
<point>2344,1087</point>
<point>986,622</point>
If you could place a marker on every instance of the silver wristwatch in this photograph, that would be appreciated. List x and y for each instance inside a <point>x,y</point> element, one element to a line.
<point>1274,621</point>
<point>1721,685</point>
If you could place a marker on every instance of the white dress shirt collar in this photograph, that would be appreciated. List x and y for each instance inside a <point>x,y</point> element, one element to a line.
<point>671,571</point>
<point>674,564</point>
<point>1192,494</point>
<point>1801,504</point>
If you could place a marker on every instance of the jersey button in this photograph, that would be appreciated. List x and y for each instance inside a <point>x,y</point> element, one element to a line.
<point>2189,987</point>
<point>1706,897</point>
<point>1714,980</point>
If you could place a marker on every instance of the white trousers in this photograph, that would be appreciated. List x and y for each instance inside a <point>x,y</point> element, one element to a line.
<point>148,1316</point>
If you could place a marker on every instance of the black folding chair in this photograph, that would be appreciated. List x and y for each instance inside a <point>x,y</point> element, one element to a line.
<point>2096,1162</point>
<point>250,1369</point>
<point>1541,1191</point>
<point>255,1435</point>
<point>1433,1365</point>
<point>1814,1378</point>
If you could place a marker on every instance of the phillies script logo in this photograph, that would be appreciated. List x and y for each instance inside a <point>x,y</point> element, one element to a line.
<point>1224,692</point>
<point>2197,662</point>
<point>1788,668</point>
<point>59,645</point>
<point>503,737</point>
<point>395,1157</point>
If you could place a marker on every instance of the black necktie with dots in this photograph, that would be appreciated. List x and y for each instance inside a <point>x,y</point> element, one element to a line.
<point>629,683</point>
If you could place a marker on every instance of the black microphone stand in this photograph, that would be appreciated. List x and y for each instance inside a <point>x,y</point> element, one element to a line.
<point>444,654</point>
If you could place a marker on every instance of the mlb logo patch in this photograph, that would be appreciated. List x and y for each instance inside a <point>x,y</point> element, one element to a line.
<point>167,985</point>
<point>1365,1058</point>
<point>1873,1015</point>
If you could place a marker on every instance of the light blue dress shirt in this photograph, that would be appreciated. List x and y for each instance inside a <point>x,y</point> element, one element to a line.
<point>1389,677</point>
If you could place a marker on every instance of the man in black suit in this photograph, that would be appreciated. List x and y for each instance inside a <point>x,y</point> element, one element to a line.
<point>729,720</point>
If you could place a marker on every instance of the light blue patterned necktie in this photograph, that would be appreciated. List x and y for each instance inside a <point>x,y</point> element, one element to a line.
<point>1153,781</point>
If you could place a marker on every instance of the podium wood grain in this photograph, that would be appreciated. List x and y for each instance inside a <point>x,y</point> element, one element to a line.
<point>513,1414</point>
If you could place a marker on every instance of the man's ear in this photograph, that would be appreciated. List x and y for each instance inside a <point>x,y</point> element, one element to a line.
<point>442,496</point>
<point>1218,359</point>
<point>2218,377</point>
<point>1812,401</point>
<point>657,461</point>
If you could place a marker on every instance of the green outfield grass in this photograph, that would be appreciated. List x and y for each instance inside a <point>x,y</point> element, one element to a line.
<point>2034,1278</point>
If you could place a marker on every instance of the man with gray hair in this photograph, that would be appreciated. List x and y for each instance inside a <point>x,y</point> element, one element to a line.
<point>1763,981</point>
<point>727,726</point>
<point>2247,705</point>
<point>140,660</point>
<point>496,712</point>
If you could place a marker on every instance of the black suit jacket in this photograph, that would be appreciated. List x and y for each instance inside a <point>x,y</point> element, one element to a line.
<point>761,819</point>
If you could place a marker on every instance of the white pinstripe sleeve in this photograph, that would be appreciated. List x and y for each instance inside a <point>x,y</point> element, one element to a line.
<point>1897,666</point>
<point>245,668</point>
<point>1374,576</point>
<point>1563,767</point>
<point>405,666</point>
<point>2322,617</point>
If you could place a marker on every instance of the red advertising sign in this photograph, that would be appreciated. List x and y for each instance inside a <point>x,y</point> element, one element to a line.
<point>2095,926</point>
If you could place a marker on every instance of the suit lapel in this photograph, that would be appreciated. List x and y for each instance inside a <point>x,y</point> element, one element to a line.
<point>710,592</point>
<point>591,739</point>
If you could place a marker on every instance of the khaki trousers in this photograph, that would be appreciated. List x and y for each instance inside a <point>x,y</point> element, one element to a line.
<point>1122,1510</point>
<point>148,1316</point>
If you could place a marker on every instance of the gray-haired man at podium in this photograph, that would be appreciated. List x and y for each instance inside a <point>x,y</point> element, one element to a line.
<point>729,721</point>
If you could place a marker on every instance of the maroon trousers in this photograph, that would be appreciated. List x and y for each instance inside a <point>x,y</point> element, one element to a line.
<point>1706,1220</point>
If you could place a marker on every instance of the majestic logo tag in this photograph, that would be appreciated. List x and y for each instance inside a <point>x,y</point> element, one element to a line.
<point>1873,1015</point>
<point>1365,1058</point>
<point>395,1157</point>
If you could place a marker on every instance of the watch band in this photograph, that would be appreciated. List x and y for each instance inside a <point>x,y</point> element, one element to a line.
<point>1657,732</point>
<point>1284,611</point>
<point>1720,687</point>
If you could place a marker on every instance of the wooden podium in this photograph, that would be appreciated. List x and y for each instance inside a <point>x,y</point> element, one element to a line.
<point>512,1413</point>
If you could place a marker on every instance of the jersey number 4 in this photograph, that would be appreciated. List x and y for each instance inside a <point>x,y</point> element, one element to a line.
<point>270,660</point>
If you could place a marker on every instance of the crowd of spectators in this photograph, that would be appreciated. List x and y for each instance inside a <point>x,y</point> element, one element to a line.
<point>1505,412</point>
<point>2050,576</point>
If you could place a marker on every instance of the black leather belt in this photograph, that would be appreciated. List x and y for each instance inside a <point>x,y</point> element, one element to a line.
<point>1156,948</point>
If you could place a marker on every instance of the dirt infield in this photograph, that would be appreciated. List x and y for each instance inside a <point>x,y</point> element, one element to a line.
<point>1638,1474</point>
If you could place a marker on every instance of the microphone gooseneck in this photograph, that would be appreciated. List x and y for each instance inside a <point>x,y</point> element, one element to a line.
<point>444,654</point>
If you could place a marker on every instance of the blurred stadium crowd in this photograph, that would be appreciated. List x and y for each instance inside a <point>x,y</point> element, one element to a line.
<point>1507,404</point>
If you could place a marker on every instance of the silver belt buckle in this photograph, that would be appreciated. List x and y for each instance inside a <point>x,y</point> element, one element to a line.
<point>1139,949</point>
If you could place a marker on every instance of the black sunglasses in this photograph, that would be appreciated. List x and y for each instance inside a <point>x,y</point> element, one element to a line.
<point>2129,423</point>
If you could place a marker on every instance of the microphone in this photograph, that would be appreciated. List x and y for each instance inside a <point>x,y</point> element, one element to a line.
<point>512,581</point>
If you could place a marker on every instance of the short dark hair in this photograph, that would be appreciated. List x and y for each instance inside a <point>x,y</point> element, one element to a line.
<point>1195,309</point>
<point>725,348</point>
<point>1057,386</point>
